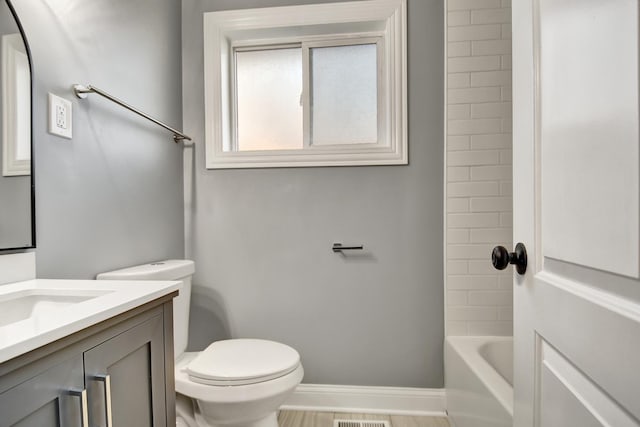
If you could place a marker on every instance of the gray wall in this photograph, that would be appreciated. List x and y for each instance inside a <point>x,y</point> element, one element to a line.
<point>261,238</point>
<point>112,196</point>
<point>15,191</point>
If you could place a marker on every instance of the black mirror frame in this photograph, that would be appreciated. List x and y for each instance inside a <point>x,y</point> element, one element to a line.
<point>33,189</point>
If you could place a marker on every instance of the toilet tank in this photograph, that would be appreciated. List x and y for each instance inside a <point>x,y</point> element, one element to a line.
<point>173,269</point>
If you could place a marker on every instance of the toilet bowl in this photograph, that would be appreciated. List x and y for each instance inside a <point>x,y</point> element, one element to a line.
<point>241,402</point>
<point>231,383</point>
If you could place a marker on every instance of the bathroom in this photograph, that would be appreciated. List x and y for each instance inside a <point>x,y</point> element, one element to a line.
<point>369,325</point>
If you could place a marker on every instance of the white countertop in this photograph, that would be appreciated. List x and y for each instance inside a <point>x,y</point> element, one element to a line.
<point>106,299</point>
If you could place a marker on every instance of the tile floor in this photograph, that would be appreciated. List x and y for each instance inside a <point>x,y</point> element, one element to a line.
<point>325,419</point>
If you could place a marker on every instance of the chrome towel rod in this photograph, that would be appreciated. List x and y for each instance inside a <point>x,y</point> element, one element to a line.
<point>81,92</point>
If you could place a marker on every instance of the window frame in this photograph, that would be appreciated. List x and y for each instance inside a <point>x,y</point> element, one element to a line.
<point>382,22</point>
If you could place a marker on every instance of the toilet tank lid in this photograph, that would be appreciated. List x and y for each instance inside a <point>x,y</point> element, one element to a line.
<point>171,269</point>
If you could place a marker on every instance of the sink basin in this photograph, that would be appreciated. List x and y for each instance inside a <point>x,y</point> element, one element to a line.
<point>38,312</point>
<point>22,305</point>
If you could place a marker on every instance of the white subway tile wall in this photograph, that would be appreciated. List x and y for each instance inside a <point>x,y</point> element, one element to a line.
<point>479,173</point>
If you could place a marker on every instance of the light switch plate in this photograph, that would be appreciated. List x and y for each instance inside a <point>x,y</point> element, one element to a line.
<point>60,116</point>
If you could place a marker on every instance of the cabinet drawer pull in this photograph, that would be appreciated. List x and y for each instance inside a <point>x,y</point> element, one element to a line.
<point>106,381</point>
<point>82,396</point>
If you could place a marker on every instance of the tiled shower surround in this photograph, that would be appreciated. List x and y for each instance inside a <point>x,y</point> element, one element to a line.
<point>479,172</point>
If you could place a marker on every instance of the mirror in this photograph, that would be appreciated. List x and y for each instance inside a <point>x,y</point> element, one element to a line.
<point>16,181</point>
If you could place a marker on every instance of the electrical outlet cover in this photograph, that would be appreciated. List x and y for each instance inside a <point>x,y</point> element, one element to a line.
<point>60,116</point>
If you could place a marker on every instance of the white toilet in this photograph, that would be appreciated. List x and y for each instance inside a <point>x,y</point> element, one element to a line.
<point>232,383</point>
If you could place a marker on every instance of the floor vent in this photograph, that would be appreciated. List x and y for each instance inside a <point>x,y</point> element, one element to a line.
<point>360,423</point>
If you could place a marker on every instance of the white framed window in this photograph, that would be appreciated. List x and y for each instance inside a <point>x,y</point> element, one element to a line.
<point>16,107</point>
<point>312,85</point>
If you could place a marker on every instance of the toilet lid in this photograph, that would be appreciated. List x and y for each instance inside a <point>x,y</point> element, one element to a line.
<point>242,361</point>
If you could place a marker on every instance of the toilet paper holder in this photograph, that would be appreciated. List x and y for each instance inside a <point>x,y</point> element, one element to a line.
<point>338,247</point>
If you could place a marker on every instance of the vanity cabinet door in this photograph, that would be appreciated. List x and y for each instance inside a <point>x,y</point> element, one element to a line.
<point>125,378</point>
<point>49,399</point>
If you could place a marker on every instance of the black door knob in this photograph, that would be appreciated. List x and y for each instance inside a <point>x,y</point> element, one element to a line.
<point>501,258</point>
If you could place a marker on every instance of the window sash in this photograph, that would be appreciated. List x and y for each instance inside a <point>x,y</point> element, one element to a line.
<point>306,44</point>
<point>234,143</point>
<point>306,82</point>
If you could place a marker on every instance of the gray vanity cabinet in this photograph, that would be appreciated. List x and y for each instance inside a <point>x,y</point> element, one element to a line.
<point>124,365</point>
<point>133,363</point>
<point>50,399</point>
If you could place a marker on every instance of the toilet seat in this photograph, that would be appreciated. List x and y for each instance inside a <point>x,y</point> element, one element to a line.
<point>239,393</point>
<point>240,362</point>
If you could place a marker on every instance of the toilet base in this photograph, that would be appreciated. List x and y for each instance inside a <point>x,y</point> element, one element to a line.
<point>271,420</point>
<point>185,416</point>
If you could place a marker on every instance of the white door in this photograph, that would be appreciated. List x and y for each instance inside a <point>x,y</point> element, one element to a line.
<point>576,208</point>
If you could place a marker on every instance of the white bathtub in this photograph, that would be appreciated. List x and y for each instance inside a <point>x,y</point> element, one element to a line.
<point>479,381</point>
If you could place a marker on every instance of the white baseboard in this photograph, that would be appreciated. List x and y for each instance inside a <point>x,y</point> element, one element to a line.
<point>370,400</point>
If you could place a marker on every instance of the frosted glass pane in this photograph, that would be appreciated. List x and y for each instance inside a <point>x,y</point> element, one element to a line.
<point>344,95</point>
<point>269,87</point>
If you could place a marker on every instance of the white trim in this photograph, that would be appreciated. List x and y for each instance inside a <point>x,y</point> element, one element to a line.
<point>14,58</point>
<point>370,400</point>
<point>223,30</point>
<point>445,177</point>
